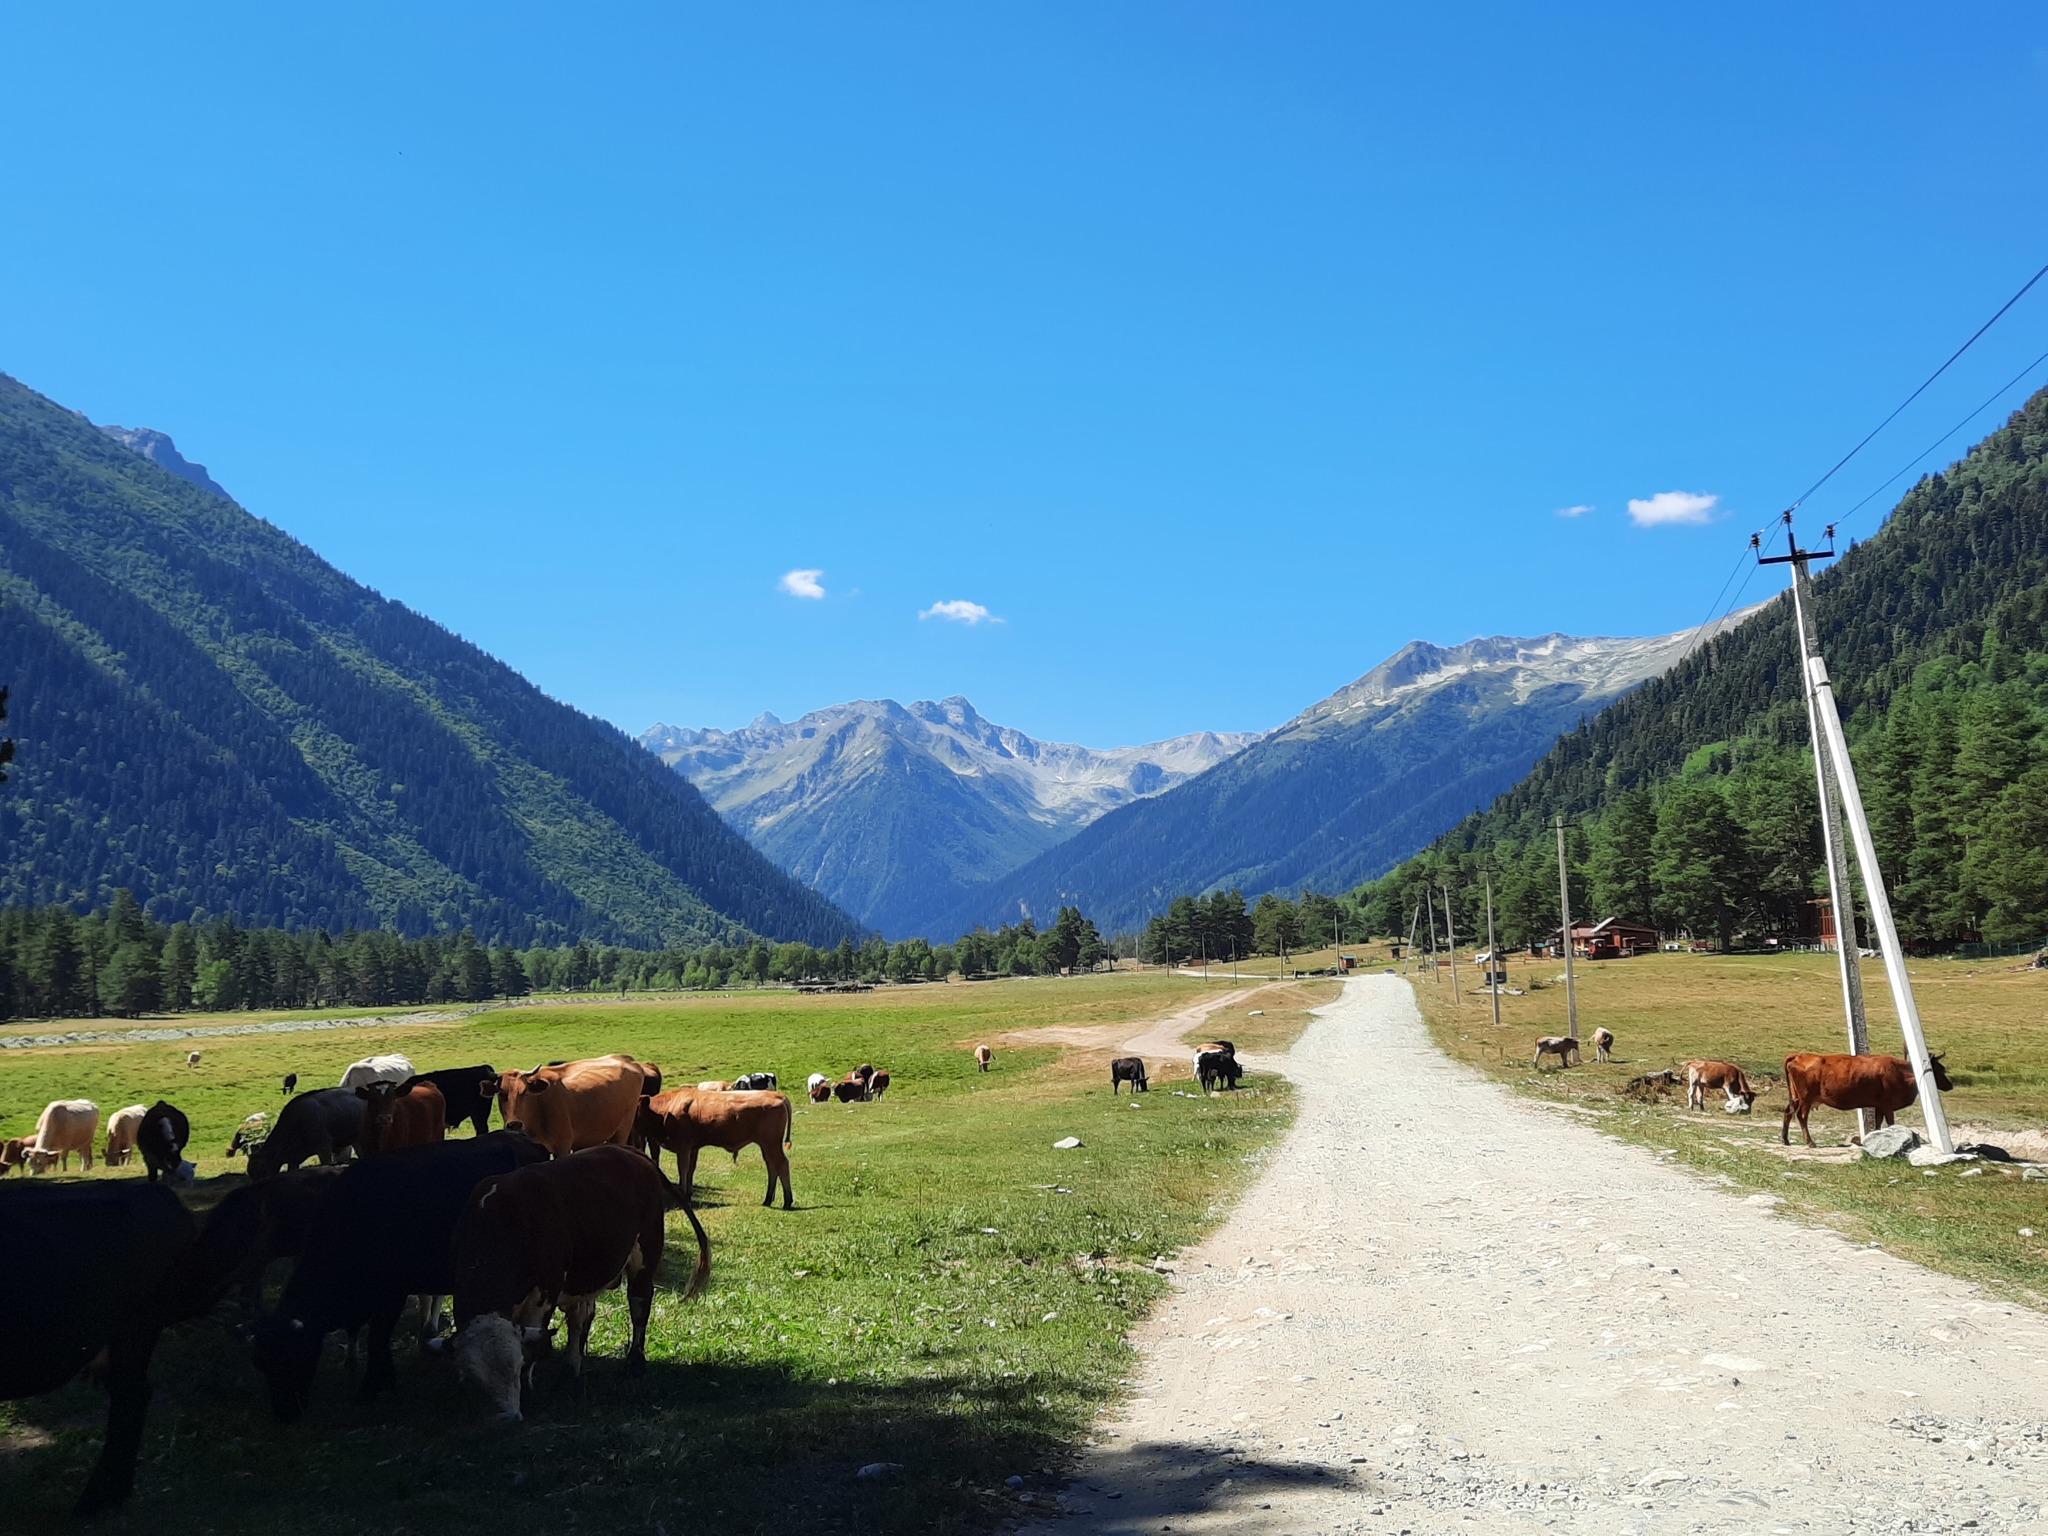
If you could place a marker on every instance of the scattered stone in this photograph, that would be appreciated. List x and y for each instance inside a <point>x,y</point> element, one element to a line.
<point>880,1472</point>
<point>1660,1478</point>
<point>1067,1143</point>
<point>1927,1157</point>
<point>1256,1013</point>
<point>1013,1481</point>
<point>1892,1141</point>
<point>2026,1231</point>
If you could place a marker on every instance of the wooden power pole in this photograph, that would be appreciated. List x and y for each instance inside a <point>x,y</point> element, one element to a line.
<point>1451,938</point>
<point>1495,971</point>
<point>1564,933</point>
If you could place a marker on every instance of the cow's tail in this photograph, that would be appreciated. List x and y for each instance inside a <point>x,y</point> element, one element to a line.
<point>679,1199</point>
<point>788,1123</point>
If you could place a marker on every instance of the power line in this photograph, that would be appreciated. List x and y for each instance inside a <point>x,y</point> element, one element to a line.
<point>1959,351</point>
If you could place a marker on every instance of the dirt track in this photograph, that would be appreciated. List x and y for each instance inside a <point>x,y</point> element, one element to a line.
<point>1446,1309</point>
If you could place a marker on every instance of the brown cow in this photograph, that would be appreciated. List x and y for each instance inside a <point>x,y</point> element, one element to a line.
<point>408,1114</point>
<point>852,1091</point>
<point>1603,1045</point>
<point>821,1093</point>
<point>1724,1075</point>
<point>121,1129</point>
<point>1881,1083</point>
<point>13,1153</point>
<point>683,1121</point>
<point>66,1126</point>
<point>982,1057</point>
<point>1564,1047</point>
<point>878,1084</point>
<point>556,1234</point>
<point>567,1106</point>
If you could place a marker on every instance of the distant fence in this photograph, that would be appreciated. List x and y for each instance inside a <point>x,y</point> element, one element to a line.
<point>1995,951</point>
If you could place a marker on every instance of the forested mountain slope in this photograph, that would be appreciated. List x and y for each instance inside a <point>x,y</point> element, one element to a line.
<point>1695,793</point>
<point>209,714</point>
<point>1337,794</point>
<point>876,804</point>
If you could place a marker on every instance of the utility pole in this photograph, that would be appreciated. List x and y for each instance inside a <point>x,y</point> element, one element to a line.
<point>1494,969</point>
<point>1451,938</point>
<point>1833,826</point>
<point>1836,745</point>
<point>1564,933</point>
<point>1414,921</point>
<point>1429,906</point>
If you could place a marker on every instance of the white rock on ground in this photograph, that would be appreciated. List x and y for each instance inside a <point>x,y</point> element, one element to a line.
<point>1445,1309</point>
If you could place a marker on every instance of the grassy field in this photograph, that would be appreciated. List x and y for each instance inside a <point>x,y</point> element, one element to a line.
<point>1986,1016</point>
<point>952,1293</point>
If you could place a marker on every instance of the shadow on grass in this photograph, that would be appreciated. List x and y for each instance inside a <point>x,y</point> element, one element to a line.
<point>686,1447</point>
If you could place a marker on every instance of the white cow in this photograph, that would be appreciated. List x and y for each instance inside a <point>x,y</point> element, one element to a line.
<point>121,1131</point>
<point>66,1126</point>
<point>377,1069</point>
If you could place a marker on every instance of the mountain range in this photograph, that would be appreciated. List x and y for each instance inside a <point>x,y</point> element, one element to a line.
<point>876,804</point>
<point>207,713</point>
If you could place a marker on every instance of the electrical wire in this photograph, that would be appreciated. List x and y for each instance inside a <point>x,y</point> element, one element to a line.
<point>1959,351</point>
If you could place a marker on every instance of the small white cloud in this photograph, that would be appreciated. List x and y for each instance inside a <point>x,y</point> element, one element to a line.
<point>803,584</point>
<point>1672,507</point>
<point>960,611</point>
<point>1578,511</point>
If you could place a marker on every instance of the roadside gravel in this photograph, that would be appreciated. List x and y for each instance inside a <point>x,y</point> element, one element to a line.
<point>1445,1309</point>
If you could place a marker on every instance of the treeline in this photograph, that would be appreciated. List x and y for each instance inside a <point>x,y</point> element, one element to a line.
<point>57,964</point>
<point>1220,927</point>
<point>1694,796</point>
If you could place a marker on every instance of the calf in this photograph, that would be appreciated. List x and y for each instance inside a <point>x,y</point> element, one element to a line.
<point>1884,1084</point>
<point>322,1123</point>
<point>463,1094</point>
<point>1603,1045</point>
<point>104,1255</point>
<point>121,1135</point>
<point>753,1082</point>
<point>392,1069</point>
<point>1724,1075</point>
<point>163,1137</point>
<point>1127,1069</point>
<point>1564,1047</point>
<point>982,1057</point>
<point>408,1114</point>
<point>66,1126</point>
<point>382,1233</point>
<point>684,1121</point>
<point>556,1234</point>
<point>1217,1066</point>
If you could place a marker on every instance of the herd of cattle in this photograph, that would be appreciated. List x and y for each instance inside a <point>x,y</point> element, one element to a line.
<point>1883,1085</point>
<point>361,1188</point>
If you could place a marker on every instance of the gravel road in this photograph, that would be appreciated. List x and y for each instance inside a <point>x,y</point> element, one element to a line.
<point>1444,1309</point>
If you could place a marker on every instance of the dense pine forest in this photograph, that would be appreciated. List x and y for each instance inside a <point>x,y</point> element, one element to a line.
<point>209,715</point>
<point>1693,798</point>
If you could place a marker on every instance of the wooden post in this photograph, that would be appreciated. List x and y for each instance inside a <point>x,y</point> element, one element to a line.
<point>1564,933</point>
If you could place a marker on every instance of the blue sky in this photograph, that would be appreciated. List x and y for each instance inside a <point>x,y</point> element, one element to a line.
<point>1213,351</point>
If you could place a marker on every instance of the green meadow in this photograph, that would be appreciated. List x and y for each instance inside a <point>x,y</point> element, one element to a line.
<point>952,1294</point>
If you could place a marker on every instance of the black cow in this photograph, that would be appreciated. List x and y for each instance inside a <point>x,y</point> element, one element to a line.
<point>102,1257</point>
<point>1128,1069</point>
<point>383,1233</point>
<point>1214,1067</point>
<point>291,1084</point>
<point>462,1090</point>
<point>322,1123</point>
<point>254,1225</point>
<point>162,1137</point>
<point>754,1081</point>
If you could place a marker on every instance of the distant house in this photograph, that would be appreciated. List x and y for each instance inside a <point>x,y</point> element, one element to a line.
<point>1613,938</point>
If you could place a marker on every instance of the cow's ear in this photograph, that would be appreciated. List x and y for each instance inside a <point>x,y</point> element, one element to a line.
<point>489,1085</point>
<point>363,1092</point>
<point>535,1085</point>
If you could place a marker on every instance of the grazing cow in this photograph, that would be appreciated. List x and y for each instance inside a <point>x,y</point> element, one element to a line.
<point>1213,1067</point>
<point>1213,1047</point>
<point>753,1082</point>
<point>1724,1075</point>
<point>462,1091</point>
<point>162,1137</point>
<point>13,1153</point>
<point>817,1080</point>
<point>1603,1044</point>
<point>982,1057</point>
<point>878,1084</point>
<point>1881,1083</point>
<point>407,1114</point>
<point>861,1074</point>
<point>322,1123</point>
<point>556,1234</point>
<point>121,1135</point>
<point>253,1226</point>
<point>713,1085</point>
<point>567,1106</point>
<point>1127,1069</point>
<point>1564,1047</point>
<point>192,1060</point>
<point>391,1069</point>
<point>852,1091</point>
<point>251,1131</point>
<point>821,1091</point>
<point>291,1084</point>
<point>684,1121</point>
<point>66,1126</point>
<point>383,1232</point>
<point>103,1256</point>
